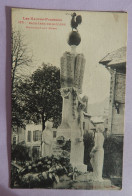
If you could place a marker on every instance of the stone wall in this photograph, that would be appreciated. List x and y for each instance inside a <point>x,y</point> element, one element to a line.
<point>118,120</point>
<point>117,103</point>
<point>21,135</point>
<point>111,99</point>
<point>120,84</point>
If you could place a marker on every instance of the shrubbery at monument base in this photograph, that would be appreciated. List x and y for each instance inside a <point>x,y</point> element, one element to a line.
<point>43,172</point>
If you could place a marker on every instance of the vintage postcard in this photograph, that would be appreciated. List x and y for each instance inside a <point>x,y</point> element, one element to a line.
<point>68,99</point>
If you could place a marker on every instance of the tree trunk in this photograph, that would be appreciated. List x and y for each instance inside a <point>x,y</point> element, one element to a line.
<point>43,127</point>
<point>43,122</point>
<point>13,76</point>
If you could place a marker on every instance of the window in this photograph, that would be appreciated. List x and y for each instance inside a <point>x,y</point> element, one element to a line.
<point>54,134</point>
<point>14,140</point>
<point>29,136</point>
<point>36,135</point>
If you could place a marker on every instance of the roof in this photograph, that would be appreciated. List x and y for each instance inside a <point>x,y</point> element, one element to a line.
<point>115,58</point>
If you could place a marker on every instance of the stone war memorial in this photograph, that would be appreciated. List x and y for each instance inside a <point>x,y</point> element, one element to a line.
<point>72,71</point>
<point>73,109</point>
<point>68,104</point>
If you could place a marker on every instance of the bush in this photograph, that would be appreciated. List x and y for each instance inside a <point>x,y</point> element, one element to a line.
<point>88,145</point>
<point>113,156</point>
<point>44,172</point>
<point>60,140</point>
<point>20,153</point>
<point>113,144</point>
<point>67,146</point>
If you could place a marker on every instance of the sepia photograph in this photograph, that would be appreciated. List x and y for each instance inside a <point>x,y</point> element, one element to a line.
<point>68,99</point>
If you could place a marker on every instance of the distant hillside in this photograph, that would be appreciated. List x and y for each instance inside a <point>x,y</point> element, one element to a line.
<point>99,109</point>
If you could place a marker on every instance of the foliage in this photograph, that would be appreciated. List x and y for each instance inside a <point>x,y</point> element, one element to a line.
<point>60,140</point>
<point>67,146</point>
<point>38,98</point>
<point>43,99</point>
<point>19,91</point>
<point>88,145</point>
<point>20,54</point>
<point>20,153</point>
<point>113,144</point>
<point>14,176</point>
<point>113,156</point>
<point>44,172</point>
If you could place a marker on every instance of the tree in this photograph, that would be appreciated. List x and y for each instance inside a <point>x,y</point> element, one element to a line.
<point>44,101</point>
<point>39,97</point>
<point>20,153</point>
<point>19,94</point>
<point>20,54</point>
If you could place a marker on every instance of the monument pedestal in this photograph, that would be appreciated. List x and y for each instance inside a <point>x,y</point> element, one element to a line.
<point>71,75</point>
<point>77,155</point>
<point>83,182</point>
<point>89,183</point>
<point>101,185</point>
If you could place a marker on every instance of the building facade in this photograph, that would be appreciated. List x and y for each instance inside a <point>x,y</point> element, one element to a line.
<point>18,135</point>
<point>115,63</point>
<point>33,136</point>
<point>30,136</point>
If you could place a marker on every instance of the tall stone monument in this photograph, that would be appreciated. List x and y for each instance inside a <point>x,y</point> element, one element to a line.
<point>72,72</point>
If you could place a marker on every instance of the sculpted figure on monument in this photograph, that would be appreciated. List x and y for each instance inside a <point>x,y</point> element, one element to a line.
<point>97,154</point>
<point>47,139</point>
<point>82,107</point>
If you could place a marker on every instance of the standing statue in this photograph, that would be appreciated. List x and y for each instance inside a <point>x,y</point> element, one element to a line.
<point>47,139</point>
<point>77,132</point>
<point>97,154</point>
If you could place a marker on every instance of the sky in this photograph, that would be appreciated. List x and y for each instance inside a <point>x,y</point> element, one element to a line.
<point>101,33</point>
